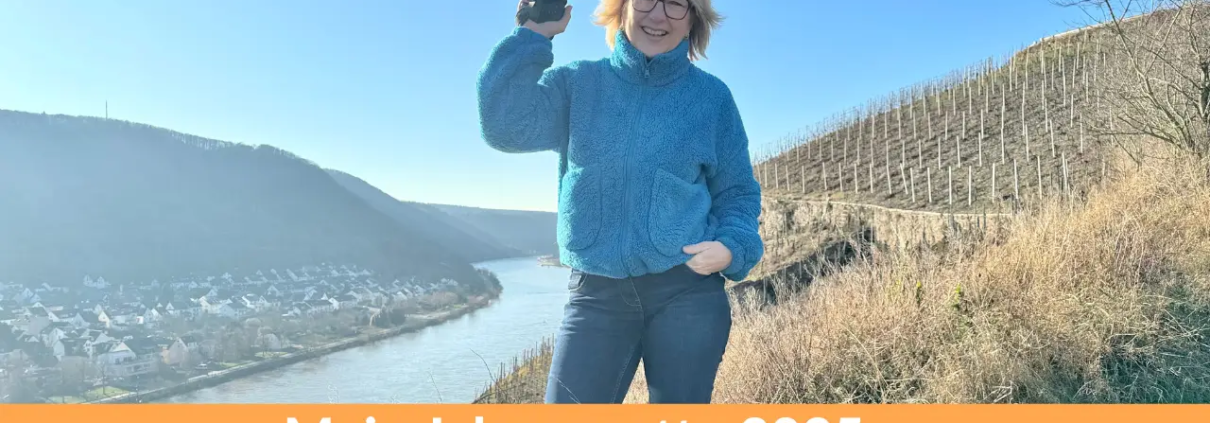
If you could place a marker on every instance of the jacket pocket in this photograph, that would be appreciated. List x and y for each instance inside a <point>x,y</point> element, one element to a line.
<point>679,213</point>
<point>579,209</point>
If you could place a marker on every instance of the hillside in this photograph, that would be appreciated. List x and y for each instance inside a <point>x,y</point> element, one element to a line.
<point>530,232</point>
<point>476,236</point>
<point>130,202</point>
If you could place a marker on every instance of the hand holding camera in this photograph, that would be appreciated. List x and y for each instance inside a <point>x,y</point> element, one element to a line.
<point>546,17</point>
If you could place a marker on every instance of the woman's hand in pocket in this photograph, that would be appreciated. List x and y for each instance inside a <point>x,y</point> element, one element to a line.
<point>709,257</point>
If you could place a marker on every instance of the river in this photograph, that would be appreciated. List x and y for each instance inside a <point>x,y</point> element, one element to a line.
<point>438,364</point>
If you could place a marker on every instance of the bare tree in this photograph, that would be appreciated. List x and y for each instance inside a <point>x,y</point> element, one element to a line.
<point>1158,83</point>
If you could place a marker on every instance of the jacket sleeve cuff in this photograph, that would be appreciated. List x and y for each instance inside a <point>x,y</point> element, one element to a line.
<point>530,35</point>
<point>740,266</point>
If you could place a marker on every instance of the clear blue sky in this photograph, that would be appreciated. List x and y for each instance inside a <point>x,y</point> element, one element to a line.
<point>385,89</point>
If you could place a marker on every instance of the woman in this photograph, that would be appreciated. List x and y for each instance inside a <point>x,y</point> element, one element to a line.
<point>657,199</point>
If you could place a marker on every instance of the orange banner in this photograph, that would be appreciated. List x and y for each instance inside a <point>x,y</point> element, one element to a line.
<point>353,413</point>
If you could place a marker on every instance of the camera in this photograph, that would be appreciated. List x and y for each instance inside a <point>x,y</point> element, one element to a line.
<point>542,11</point>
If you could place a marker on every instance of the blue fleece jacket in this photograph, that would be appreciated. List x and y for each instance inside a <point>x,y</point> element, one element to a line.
<point>653,153</point>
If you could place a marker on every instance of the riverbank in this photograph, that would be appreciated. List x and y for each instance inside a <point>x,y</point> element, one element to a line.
<point>414,323</point>
<point>550,261</point>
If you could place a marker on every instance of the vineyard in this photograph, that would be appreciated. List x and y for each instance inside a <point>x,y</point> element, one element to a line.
<point>991,137</point>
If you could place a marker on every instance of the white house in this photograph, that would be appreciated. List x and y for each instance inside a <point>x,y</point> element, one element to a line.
<point>68,346</point>
<point>232,310</point>
<point>98,283</point>
<point>181,351</point>
<point>76,320</point>
<point>28,297</point>
<point>36,319</point>
<point>53,333</point>
<point>152,316</point>
<point>184,309</point>
<point>320,306</point>
<point>123,359</point>
<point>255,302</point>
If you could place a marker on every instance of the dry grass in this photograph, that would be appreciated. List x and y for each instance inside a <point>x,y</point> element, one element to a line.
<point>524,382</point>
<point>1109,302</point>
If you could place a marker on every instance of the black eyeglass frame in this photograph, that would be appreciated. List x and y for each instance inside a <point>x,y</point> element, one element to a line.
<point>689,8</point>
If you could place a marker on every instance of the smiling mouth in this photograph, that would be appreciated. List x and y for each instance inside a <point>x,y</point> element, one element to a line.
<point>654,32</point>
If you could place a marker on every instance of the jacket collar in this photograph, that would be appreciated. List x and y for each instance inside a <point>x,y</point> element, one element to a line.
<point>633,66</point>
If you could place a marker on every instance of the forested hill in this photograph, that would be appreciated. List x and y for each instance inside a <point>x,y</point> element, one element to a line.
<point>90,196</point>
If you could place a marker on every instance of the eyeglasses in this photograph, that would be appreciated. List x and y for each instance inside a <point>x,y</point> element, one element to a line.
<point>673,9</point>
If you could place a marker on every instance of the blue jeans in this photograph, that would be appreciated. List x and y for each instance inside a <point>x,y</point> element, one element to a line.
<point>677,322</point>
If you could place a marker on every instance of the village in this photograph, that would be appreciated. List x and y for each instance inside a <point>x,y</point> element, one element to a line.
<point>86,343</point>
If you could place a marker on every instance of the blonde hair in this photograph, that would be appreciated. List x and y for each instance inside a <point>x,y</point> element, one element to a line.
<point>703,19</point>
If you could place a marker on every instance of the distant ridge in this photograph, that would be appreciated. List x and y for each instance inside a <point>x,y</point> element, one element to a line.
<point>476,234</point>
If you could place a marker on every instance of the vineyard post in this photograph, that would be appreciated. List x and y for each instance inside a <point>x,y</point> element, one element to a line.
<point>1081,132</point>
<point>888,154</point>
<point>903,175</point>
<point>860,134</point>
<point>823,170</point>
<point>966,79</point>
<point>1071,109</point>
<point>1049,128</point>
<point>950,184</point>
<point>1016,182</point>
<point>953,102</point>
<point>960,140</point>
<point>929,173</point>
<point>1024,127</point>
<point>776,177</point>
<point>928,116</point>
<point>871,177</point>
<point>1025,85</point>
<point>1039,162</point>
<point>764,170</point>
<point>947,137</point>
<point>1045,73</point>
<point>1085,83</point>
<point>1003,111</point>
<point>1063,77</point>
<point>913,171</point>
<point>873,119</point>
<point>902,142</point>
<point>889,187</point>
<point>788,173</point>
<point>916,136</point>
<point>856,182</point>
<point>1066,183</point>
<point>1012,71</point>
<point>995,191</point>
<point>970,185</point>
<point>803,178</point>
<point>982,121</point>
<point>886,128</point>
<point>986,96</point>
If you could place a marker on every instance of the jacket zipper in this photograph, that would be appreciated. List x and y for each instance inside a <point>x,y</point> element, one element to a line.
<point>626,182</point>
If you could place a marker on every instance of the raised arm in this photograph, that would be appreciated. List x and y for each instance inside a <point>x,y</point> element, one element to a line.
<point>736,195</point>
<point>523,102</point>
